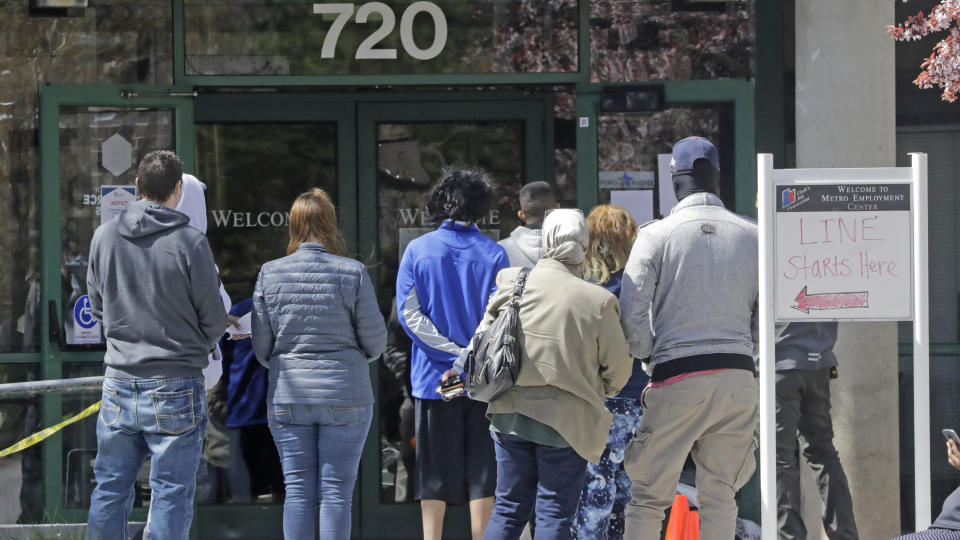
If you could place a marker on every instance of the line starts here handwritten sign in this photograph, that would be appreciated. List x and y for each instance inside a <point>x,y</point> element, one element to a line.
<point>843,251</point>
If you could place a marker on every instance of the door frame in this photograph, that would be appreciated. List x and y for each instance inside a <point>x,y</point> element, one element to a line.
<point>52,98</point>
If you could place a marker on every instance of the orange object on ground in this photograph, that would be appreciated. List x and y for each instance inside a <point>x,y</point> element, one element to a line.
<point>684,523</point>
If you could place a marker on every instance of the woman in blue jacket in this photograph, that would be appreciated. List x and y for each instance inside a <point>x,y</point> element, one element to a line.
<point>444,281</point>
<point>315,324</point>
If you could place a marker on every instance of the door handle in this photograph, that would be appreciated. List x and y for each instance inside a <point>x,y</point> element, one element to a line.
<point>54,333</point>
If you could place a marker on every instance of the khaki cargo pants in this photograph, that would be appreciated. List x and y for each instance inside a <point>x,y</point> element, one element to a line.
<point>710,416</point>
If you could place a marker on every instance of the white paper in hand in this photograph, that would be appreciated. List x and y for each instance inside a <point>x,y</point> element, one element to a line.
<point>242,327</point>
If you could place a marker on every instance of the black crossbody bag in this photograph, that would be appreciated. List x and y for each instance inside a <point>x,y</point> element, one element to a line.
<point>493,360</point>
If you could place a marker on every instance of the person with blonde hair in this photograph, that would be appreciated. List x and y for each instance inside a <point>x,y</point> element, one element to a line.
<point>606,491</point>
<point>315,324</point>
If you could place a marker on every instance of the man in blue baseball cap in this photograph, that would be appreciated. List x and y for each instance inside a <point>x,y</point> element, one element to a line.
<point>695,166</point>
<point>688,300</point>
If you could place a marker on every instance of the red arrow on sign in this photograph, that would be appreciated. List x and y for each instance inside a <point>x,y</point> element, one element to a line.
<point>806,302</point>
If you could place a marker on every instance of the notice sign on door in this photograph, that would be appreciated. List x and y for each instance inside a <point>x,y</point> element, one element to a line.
<point>113,199</point>
<point>843,251</point>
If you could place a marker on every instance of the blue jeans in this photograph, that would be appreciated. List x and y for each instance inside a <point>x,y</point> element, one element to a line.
<point>529,473</point>
<point>166,418</point>
<point>606,493</point>
<point>320,450</point>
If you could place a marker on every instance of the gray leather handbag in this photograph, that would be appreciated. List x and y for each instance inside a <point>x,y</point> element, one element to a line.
<point>493,359</point>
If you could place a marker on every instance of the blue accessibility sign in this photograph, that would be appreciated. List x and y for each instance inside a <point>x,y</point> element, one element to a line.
<point>82,313</point>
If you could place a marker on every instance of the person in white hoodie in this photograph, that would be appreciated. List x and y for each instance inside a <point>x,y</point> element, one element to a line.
<point>193,203</point>
<point>523,244</point>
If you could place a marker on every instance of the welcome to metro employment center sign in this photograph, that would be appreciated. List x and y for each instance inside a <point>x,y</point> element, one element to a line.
<point>850,245</point>
<point>843,252</point>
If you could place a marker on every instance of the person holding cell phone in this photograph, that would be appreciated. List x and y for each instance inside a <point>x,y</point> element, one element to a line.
<point>947,524</point>
<point>316,323</point>
<point>444,281</point>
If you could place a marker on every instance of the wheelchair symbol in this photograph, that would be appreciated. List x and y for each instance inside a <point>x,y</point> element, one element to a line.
<point>83,314</point>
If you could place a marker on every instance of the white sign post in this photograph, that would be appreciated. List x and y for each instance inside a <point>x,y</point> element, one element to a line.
<point>843,245</point>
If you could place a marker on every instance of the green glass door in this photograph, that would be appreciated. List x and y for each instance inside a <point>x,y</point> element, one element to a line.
<point>92,138</point>
<point>403,148</point>
<point>256,154</point>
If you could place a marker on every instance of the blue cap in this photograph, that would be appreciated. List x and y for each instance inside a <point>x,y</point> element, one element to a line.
<point>688,150</point>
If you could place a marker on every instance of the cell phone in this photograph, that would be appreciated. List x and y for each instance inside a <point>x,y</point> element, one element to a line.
<point>451,388</point>
<point>951,435</point>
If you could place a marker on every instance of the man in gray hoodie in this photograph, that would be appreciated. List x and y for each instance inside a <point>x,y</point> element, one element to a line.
<point>523,244</point>
<point>153,285</point>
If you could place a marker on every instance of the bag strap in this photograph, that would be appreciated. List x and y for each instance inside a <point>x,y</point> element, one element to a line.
<point>521,282</point>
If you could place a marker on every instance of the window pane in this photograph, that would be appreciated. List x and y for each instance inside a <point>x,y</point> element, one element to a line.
<point>631,142</point>
<point>21,499</point>
<point>253,173</point>
<point>116,42</point>
<point>80,442</point>
<point>98,147</point>
<point>19,239</point>
<point>637,40</point>
<point>278,38</point>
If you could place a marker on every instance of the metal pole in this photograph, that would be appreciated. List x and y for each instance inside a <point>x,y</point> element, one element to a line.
<point>921,344</point>
<point>54,385</point>
<point>768,426</point>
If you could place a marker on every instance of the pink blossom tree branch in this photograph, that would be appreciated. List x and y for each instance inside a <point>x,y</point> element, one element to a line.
<point>942,68</point>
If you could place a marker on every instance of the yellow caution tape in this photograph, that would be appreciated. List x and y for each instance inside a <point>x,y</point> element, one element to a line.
<point>43,434</point>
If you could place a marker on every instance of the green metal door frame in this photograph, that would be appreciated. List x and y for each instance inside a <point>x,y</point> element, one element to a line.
<point>393,520</point>
<point>52,98</point>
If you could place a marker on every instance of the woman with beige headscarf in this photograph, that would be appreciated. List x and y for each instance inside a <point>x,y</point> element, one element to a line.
<point>573,355</point>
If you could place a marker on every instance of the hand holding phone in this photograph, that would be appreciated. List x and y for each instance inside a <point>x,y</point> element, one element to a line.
<point>953,450</point>
<point>451,388</point>
<point>951,435</point>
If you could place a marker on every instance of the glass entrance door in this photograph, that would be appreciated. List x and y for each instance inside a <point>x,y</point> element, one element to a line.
<point>256,154</point>
<point>92,137</point>
<point>403,149</point>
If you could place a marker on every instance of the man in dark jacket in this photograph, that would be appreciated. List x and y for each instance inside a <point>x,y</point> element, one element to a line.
<point>805,361</point>
<point>153,285</point>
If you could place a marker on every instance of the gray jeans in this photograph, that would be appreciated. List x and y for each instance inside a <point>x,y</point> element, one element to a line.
<point>803,405</point>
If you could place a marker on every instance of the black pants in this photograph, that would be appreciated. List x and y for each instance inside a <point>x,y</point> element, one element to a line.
<point>262,460</point>
<point>803,405</point>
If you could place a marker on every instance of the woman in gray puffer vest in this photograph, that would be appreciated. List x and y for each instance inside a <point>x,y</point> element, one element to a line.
<point>315,324</point>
